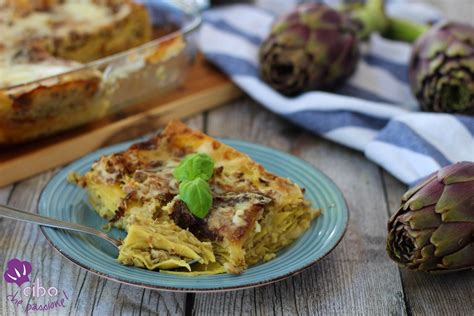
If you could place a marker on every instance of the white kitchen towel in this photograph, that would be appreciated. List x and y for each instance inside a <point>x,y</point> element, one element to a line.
<point>374,111</point>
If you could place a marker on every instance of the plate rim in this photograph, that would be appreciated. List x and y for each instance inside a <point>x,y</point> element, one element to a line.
<point>118,279</point>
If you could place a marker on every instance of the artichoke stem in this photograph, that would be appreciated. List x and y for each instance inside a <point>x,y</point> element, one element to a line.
<point>372,18</point>
<point>404,30</point>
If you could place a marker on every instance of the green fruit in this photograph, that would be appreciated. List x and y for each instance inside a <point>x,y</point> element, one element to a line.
<point>434,228</point>
<point>441,70</point>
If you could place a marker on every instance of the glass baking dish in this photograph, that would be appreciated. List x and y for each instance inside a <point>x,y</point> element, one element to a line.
<point>93,90</point>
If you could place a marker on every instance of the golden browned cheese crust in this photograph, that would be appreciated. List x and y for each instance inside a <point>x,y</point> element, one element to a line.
<point>82,31</point>
<point>123,33</point>
<point>254,213</point>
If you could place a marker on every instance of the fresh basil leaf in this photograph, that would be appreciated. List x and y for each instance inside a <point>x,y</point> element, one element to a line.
<point>197,196</point>
<point>194,166</point>
<point>192,173</point>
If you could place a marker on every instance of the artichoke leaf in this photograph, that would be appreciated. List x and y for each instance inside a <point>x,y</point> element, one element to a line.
<point>421,237</point>
<point>460,259</point>
<point>459,172</point>
<point>427,195</point>
<point>423,218</point>
<point>457,202</point>
<point>450,237</point>
<point>427,261</point>
<point>418,187</point>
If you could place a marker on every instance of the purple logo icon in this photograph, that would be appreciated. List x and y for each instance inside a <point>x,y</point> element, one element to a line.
<point>17,272</point>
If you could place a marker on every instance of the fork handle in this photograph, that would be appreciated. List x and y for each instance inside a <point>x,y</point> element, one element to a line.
<point>16,214</point>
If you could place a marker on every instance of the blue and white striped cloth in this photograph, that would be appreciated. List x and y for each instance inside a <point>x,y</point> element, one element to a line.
<point>373,112</point>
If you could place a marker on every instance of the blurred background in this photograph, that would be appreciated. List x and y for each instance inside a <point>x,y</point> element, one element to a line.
<point>459,10</point>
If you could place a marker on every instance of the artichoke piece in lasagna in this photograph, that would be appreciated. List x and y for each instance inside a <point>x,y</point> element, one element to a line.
<point>253,215</point>
<point>163,245</point>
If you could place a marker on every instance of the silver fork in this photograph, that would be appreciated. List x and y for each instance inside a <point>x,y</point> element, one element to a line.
<point>16,214</point>
<point>20,215</point>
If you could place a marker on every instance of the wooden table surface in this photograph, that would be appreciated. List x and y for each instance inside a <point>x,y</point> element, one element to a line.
<point>356,278</point>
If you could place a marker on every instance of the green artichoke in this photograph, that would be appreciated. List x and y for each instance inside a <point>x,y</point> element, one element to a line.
<point>441,70</point>
<point>313,47</point>
<point>434,228</point>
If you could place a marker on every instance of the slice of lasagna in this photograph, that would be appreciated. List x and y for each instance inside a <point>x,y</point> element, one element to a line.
<point>253,215</point>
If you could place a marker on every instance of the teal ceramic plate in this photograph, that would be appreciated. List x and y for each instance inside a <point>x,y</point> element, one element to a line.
<point>67,202</point>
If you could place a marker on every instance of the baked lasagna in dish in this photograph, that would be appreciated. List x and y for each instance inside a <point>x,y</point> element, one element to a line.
<point>252,214</point>
<point>55,40</point>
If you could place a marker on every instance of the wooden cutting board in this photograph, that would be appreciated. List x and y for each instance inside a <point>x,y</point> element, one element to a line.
<point>204,88</point>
